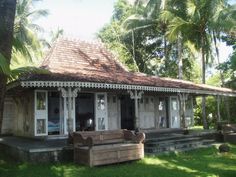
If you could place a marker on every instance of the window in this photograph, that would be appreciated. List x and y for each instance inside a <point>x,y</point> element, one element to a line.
<point>41,113</point>
<point>174,105</point>
<point>41,126</point>
<point>101,102</point>
<point>161,104</point>
<point>41,101</point>
<point>101,123</point>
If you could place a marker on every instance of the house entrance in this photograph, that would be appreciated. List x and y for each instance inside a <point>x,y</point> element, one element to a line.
<point>55,113</point>
<point>127,113</point>
<point>84,112</point>
<point>174,112</point>
<point>162,112</point>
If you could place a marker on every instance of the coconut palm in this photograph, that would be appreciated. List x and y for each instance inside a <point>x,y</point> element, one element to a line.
<point>158,13</point>
<point>26,39</point>
<point>22,36</point>
<point>54,35</point>
<point>198,27</point>
<point>7,15</point>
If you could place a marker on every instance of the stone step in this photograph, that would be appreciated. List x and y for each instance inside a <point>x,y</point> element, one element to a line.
<point>172,141</point>
<point>170,137</point>
<point>157,133</point>
<point>179,150</point>
<point>184,146</point>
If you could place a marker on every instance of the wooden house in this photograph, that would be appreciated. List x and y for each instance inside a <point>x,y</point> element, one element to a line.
<point>89,89</point>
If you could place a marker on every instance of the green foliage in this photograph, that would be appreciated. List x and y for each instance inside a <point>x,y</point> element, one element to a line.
<point>27,48</point>
<point>202,162</point>
<point>20,71</point>
<point>4,65</point>
<point>137,34</point>
<point>26,41</point>
<point>229,67</point>
<point>211,111</point>
<point>211,105</point>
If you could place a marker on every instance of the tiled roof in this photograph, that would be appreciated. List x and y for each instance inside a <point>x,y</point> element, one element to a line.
<point>74,60</point>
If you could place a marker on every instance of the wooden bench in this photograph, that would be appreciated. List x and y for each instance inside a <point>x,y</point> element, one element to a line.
<point>107,147</point>
<point>229,132</point>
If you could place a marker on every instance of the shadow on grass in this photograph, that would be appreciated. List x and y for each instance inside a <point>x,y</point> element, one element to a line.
<point>202,162</point>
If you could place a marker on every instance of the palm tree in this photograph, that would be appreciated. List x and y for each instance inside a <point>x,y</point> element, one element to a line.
<point>22,37</point>
<point>197,28</point>
<point>147,17</point>
<point>158,13</point>
<point>186,21</point>
<point>54,35</point>
<point>7,15</point>
<point>26,39</point>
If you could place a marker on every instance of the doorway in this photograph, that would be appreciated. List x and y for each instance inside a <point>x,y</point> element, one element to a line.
<point>174,112</point>
<point>127,112</point>
<point>162,107</point>
<point>55,117</point>
<point>84,112</point>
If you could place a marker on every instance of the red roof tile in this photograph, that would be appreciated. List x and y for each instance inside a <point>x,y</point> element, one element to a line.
<point>74,60</point>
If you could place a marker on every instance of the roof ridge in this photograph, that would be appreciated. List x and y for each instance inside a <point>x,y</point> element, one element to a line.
<point>75,39</point>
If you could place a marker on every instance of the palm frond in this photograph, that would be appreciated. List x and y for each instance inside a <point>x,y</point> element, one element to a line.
<point>36,27</point>
<point>18,72</point>
<point>191,7</point>
<point>4,65</point>
<point>20,46</point>
<point>166,16</point>
<point>154,8</point>
<point>38,13</point>
<point>176,27</point>
<point>135,22</point>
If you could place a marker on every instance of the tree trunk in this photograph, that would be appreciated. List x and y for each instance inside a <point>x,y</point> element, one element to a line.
<point>205,126</point>
<point>165,53</point>
<point>225,100</point>
<point>180,59</point>
<point>218,58</point>
<point>7,15</point>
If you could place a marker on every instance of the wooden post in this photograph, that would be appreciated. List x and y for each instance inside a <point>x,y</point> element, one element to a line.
<point>70,120</point>
<point>136,110</point>
<point>218,109</point>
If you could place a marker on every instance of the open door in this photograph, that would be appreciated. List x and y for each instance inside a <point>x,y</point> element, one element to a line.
<point>174,112</point>
<point>41,113</point>
<point>84,108</point>
<point>127,112</point>
<point>101,111</point>
<point>162,113</point>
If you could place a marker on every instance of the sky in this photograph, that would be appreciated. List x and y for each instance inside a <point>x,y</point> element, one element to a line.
<point>83,18</point>
<point>79,18</point>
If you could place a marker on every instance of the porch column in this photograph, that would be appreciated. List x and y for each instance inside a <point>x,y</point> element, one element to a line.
<point>136,96</point>
<point>183,98</point>
<point>218,109</point>
<point>69,95</point>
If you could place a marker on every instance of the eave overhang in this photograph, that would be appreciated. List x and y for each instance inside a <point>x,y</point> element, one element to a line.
<point>37,84</point>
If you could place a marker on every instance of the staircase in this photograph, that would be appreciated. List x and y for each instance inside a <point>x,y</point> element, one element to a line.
<point>171,142</point>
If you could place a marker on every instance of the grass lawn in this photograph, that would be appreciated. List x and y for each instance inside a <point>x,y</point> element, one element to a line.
<point>201,162</point>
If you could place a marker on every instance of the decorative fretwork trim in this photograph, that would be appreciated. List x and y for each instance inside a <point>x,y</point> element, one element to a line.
<point>119,87</point>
